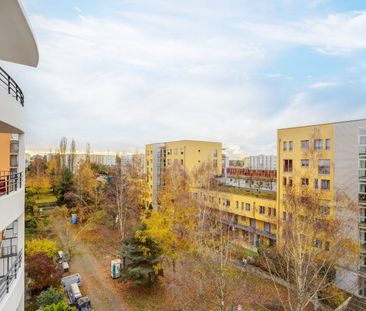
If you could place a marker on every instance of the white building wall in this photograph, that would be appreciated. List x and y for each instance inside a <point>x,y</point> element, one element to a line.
<point>346,163</point>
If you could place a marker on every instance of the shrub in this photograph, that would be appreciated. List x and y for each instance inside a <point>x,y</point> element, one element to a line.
<point>42,271</point>
<point>45,246</point>
<point>49,297</point>
<point>61,306</point>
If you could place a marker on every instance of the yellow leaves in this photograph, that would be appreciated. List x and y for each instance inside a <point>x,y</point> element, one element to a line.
<point>45,246</point>
<point>38,183</point>
<point>158,268</point>
<point>86,181</point>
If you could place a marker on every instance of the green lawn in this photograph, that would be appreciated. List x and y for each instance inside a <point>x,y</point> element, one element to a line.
<point>45,199</point>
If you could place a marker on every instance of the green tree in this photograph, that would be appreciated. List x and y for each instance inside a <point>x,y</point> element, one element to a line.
<point>65,184</point>
<point>143,258</point>
<point>61,306</point>
<point>49,297</point>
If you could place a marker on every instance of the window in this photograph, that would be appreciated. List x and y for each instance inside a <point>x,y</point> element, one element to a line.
<point>274,212</point>
<point>169,151</point>
<point>318,144</point>
<point>247,206</point>
<point>327,245</point>
<point>262,210</point>
<point>304,144</point>
<point>318,243</point>
<point>327,144</point>
<point>267,227</point>
<point>291,145</point>
<point>324,207</point>
<point>304,181</point>
<point>269,211</point>
<point>243,219</point>
<point>363,188</point>
<point>169,161</point>
<point>316,183</point>
<point>284,145</point>
<point>363,140</point>
<point>284,181</point>
<point>284,216</point>
<point>237,204</point>
<point>242,206</point>
<point>290,182</point>
<point>199,150</point>
<point>252,222</point>
<point>181,162</point>
<point>325,184</point>
<point>215,153</point>
<point>324,167</point>
<point>214,163</point>
<point>304,163</point>
<point>175,151</point>
<point>181,150</point>
<point>287,167</point>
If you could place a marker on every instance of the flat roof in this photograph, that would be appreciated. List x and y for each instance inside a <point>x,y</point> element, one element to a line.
<point>187,140</point>
<point>320,124</point>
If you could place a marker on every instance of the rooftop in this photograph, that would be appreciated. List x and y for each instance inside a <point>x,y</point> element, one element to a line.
<point>269,195</point>
<point>320,124</point>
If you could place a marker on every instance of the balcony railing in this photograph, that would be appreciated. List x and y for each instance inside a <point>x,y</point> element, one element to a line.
<point>10,276</point>
<point>10,182</point>
<point>7,82</point>
<point>8,251</point>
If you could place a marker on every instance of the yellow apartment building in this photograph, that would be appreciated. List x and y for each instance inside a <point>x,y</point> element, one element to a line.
<point>329,158</point>
<point>324,157</point>
<point>251,214</point>
<point>188,153</point>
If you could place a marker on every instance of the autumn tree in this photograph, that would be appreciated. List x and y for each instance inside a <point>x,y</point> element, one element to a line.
<point>86,185</point>
<point>175,221</point>
<point>74,233</point>
<point>312,243</point>
<point>42,272</point>
<point>72,162</point>
<point>124,195</point>
<point>45,246</point>
<point>62,151</point>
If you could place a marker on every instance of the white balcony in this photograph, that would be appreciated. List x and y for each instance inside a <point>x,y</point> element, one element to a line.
<point>11,198</point>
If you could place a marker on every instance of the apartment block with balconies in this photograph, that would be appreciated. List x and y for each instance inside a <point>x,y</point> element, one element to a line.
<point>17,46</point>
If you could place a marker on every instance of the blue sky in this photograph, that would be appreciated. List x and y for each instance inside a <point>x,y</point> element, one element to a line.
<point>120,74</point>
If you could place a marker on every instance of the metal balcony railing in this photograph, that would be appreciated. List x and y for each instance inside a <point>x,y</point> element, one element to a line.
<point>7,82</point>
<point>8,251</point>
<point>10,276</point>
<point>10,182</point>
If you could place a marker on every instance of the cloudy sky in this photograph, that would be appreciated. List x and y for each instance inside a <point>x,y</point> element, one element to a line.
<point>123,73</point>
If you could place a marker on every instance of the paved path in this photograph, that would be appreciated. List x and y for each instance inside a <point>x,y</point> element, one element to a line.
<point>95,278</point>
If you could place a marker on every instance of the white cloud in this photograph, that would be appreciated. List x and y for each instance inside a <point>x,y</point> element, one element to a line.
<point>323,85</point>
<point>335,34</point>
<point>137,78</point>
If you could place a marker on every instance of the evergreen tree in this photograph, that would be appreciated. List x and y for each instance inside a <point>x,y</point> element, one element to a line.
<point>142,256</point>
<point>65,184</point>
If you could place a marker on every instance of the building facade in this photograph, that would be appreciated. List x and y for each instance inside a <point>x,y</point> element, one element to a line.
<point>260,162</point>
<point>17,46</point>
<point>188,153</point>
<point>328,158</point>
<point>331,159</point>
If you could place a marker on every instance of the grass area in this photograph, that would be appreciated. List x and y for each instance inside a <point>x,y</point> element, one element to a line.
<point>248,192</point>
<point>46,199</point>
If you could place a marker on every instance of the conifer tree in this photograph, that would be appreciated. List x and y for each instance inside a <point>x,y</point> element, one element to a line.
<point>142,258</point>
